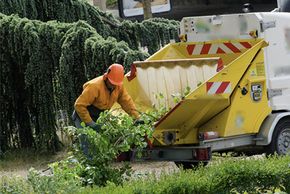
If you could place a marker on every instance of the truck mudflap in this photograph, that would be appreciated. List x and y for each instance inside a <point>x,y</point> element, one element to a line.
<point>178,154</point>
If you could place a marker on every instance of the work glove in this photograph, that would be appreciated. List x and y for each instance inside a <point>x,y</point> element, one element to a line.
<point>94,126</point>
<point>138,122</point>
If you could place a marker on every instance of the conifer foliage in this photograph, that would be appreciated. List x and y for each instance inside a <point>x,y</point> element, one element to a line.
<point>150,33</point>
<point>49,50</point>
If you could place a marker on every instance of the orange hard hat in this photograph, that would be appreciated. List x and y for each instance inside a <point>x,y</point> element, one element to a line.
<point>115,74</point>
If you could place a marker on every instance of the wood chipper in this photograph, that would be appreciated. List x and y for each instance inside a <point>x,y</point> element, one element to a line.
<point>238,69</point>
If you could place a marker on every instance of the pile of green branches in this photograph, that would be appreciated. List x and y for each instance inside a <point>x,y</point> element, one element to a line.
<point>43,67</point>
<point>150,33</point>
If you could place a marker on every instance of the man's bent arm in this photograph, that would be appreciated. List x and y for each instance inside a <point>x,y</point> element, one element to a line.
<point>84,100</point>
<point>127,103</point>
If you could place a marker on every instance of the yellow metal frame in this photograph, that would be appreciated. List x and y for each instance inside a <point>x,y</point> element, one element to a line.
<point>179,51</point>
<point>243,116</point>
<point>229,113</point>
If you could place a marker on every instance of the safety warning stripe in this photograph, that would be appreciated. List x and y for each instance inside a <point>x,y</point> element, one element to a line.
<point>221,48</point>
<point>218,88</point>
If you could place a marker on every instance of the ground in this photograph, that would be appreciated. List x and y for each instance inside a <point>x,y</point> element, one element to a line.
<point>20,165</point>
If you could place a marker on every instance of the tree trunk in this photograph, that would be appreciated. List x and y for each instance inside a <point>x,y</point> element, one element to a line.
<point>147,9</point>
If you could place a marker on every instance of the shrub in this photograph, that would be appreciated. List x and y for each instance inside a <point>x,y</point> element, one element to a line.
<point>15,185</point>
<point>230,176</point>
<point>118,135</point>
<point>63,180</point>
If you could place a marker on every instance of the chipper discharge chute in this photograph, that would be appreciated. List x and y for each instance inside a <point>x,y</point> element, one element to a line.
<point>223,76</point>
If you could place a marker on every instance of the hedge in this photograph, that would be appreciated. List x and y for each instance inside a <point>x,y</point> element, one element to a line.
<point>227,176</point>
<point>222,176</point>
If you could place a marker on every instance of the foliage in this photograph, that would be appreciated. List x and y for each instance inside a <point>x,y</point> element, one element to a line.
<point>15,185</point>
<point>44,64</point>
<point>230,175</point>
<point>51,61</point>
<point>118,135</point>
<point>111,3</point>
<point>94,153</point>
<point>178,97</point>
<point>65,181</point>
<point>151,33</point>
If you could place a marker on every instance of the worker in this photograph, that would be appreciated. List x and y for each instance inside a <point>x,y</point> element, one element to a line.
<point>100,94</point>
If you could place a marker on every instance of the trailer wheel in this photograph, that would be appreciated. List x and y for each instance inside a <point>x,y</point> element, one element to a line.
<point>190,165</point>
<point>280,143</point>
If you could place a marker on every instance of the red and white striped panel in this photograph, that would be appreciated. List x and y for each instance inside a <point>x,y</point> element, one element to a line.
<point>220,48</point>
<point>218,88</point>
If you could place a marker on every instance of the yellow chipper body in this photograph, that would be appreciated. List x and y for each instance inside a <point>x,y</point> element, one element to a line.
<point>225,107</point>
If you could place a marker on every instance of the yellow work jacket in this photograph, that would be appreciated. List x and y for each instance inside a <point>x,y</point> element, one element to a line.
<point>96,93</point>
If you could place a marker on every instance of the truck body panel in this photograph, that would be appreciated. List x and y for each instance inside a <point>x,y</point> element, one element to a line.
<point>273,27</point>
<point>277,59</point>
<point>247,110</point>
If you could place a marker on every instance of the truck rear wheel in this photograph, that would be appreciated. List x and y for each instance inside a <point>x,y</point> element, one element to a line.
<point>280,143</point>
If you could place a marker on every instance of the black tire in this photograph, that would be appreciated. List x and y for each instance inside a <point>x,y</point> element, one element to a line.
<point>190,165</point>
<point>280,143</point>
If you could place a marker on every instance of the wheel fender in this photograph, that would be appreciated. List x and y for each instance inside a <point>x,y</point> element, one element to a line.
<point>266,131</point>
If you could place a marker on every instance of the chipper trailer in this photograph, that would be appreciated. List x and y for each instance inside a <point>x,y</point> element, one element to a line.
<point>238,69</point>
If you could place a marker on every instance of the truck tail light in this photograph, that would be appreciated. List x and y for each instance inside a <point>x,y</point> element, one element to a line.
<point>203,154</point>
<point>208,135</point>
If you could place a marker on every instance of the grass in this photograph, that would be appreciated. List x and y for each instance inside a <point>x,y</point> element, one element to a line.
<point>18,162</point>
<point>226,174</point>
